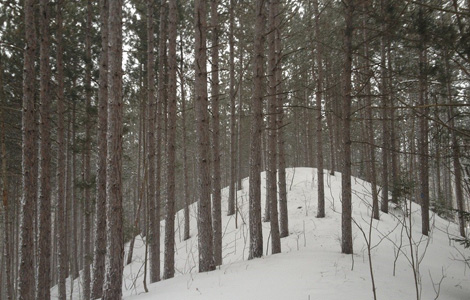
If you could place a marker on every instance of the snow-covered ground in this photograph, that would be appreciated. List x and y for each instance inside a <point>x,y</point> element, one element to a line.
<point>311,265</point>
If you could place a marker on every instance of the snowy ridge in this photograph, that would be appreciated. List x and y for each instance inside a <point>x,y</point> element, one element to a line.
<point>311,265</point>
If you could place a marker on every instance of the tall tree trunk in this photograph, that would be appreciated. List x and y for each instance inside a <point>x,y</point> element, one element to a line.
<point>87,210</point>
<point>216,193</point>
<point>169,267</point>
<point>318,98</point>
<point>385,117</point>
<point>256,232</point>
<point>29,181</point>
<point>369,124</point>
<point>346,220</point>
<point>186,195</point>
<point>7,233</point>
<point>423,129</point>
<point>206,261</point>
<point>75,200</point>
<point>153,227</point>
<point>283,212</point>
<point>271,173</point>
<point>100,205</point>
<point>43,282</point>
<point>233,149</point>
<point>114,214</point>
<point>61,160</point>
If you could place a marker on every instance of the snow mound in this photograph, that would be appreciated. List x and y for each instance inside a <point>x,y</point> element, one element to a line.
<point>311,265</point>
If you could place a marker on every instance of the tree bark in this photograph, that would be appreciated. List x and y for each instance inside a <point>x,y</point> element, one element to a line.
<point>186,196</point>
<point>256,232</point>
<point>169,267</point>
<point>206,261</point>
<point>43,281</point>
<point>385,117</point>
<point>114,214</point>
<point>233,149</point>
<point>61,150</point>
<point>100,208</point>
<point>216,193</point>
<point>87,211</point>
<point>153,226</point>
<point>319,125</point>
<point>271,173</point>
<point>346,219</point>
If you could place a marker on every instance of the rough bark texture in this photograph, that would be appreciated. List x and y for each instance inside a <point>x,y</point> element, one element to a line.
<point>271,173</point>
<point>233,149</point>
<point>370,147</point>
<point>283,212</point>
<point>87,209</point>
<point>100,205</point>
<point>61,150</point>
<point>423,147</point>
<point>216,184</point>
<point>169,266</point>
<point>204,220</point>
<point>153,227</point>
<point>29,181</point>
<point>318,98</point>
<point>186,194</point>
<point>43,282</point>
<point>385,127</point>
<point>346,222</point>
<point>114,213</point>
<point>256,233</point>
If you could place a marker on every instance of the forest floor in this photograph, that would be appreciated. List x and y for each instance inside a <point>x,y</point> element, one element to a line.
<point>311,265</point>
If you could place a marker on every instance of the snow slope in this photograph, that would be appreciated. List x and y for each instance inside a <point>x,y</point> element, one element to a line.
<point>311,265</point>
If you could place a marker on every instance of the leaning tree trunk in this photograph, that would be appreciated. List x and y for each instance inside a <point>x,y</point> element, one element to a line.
<point>169,266</point>
<point>100,205</point>
<point>256,232</point>
<point>43,282</point>
<point>206,261</point>
<point>346,219</point>
<point>114,213</point>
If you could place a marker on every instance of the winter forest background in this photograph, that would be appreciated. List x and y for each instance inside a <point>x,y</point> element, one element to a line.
<point>115,115</point>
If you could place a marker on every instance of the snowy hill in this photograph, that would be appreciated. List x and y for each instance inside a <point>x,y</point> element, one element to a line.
<point>311,265</point>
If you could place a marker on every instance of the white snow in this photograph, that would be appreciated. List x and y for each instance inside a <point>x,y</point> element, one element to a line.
<point>311,265</point>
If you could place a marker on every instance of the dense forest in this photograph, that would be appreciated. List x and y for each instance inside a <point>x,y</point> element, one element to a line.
<point>114,115</point>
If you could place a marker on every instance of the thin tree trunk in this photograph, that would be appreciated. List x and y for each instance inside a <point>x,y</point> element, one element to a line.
<point>61,160</point>
<point>233,149</point>
<point>283,212</point>
<point>87,258</point>
<point>271,173</point>
<point>318,97</point>
<point>152,226</point>
<point>216,193</point>
<point>423,132</point>
<point>169,266</point>
<point>346,222</point>
<point>206,261</point>
<point>186,196</point>
<point>114,213</point>
<point>29,181</point>
<point>7,211</point>
<point>385,118</point>
<point>256,233</point>
<point>100,214</point>
<point>43,282</point>
<point>369,124</point>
